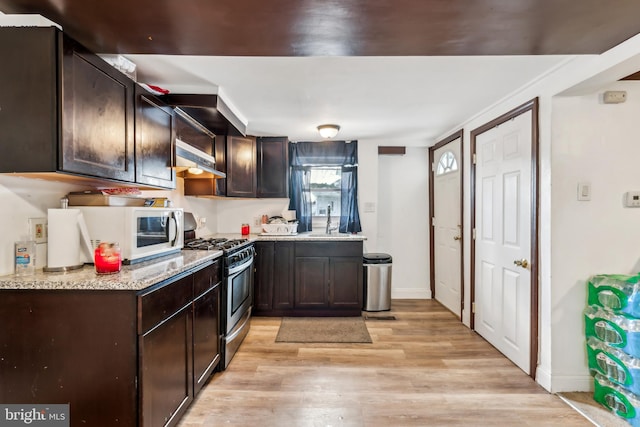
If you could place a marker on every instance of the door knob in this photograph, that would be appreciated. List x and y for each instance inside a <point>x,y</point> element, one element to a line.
<point>521,263</point>
<point>457,237</point>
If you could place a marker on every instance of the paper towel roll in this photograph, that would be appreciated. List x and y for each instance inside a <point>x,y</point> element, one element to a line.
<point>66,244</point>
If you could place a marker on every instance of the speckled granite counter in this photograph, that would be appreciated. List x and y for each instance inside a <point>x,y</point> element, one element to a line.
<point>311,236</point>
<point>131,277</point>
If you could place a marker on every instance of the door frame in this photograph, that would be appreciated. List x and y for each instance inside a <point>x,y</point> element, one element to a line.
<point>432,260</point>
<point>533,106</point>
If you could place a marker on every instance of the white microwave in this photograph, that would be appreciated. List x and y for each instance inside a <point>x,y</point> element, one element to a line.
<point>141,232</point>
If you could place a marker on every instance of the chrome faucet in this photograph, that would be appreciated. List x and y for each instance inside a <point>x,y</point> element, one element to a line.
<point>329,227</point>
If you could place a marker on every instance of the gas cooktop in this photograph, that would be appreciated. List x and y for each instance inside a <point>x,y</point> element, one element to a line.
<point>215,243</point>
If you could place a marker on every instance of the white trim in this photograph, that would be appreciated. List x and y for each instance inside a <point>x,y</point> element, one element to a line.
<point>410,293</point>
<point>562,383</point>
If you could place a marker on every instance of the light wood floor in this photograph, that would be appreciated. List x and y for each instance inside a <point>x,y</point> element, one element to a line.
<point>423,369</point>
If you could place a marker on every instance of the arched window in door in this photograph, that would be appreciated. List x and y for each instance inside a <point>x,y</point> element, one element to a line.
<point>447,163</point>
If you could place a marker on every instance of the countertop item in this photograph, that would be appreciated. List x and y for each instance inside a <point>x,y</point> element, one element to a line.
<point>131,277</point>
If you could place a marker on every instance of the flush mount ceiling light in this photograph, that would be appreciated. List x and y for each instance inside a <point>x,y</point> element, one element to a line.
<point>328,131</point>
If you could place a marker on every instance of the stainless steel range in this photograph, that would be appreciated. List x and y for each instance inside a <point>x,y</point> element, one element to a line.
<point>237,291</point>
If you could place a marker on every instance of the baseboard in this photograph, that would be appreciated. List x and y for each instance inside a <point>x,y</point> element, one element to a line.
<point>572,383</point>
<point>410,293</point>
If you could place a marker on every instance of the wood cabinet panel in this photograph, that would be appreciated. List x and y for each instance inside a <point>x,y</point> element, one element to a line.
<point>241,171</point>
<point>97,117</point>
<point>273,167</point>
<point>312,282</point>
<point>155,137</point>
<point>158,304</point>
<point>58,346</point>
<point>263,280</point>
<point>206,336</point>
<point>166,370</point>
<point>283,276</point>
<point>345,278</point>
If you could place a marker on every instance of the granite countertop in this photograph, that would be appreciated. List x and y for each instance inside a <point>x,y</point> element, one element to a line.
<point>131,277</point>
<point>314,236</point>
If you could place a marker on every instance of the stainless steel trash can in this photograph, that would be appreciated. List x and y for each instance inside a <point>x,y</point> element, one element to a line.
<point>377,282</point>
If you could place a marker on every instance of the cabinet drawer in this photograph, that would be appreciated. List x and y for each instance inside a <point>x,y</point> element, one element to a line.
<point>206,278</point>
<point>332,249</point>
<point>163,302</point>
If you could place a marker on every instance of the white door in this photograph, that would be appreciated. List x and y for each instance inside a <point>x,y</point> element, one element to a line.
<point>503,238</point>
<point>447,226</point>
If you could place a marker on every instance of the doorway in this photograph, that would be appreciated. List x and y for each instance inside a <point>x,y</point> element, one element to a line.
<point>504,219</point>
<point>445,200</point>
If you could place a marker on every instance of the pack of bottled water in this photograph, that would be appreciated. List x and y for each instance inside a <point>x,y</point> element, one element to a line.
<point>615,292</point>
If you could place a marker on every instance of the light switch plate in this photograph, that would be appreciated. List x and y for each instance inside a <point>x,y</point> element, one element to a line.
<point>584,191</point>
<point>38,229</point>
<point>632,199</point>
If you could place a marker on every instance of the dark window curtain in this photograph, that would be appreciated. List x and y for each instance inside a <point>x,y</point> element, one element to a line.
<point>300,197</point>
<point>349,217</point>
<point>302,156</point>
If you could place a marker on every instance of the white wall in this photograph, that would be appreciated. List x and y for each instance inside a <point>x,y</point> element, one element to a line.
<point>578,76</point>
<point>594,143</point>
<point>403,220</point>
<point>232,213</point>
<point>24,198</point>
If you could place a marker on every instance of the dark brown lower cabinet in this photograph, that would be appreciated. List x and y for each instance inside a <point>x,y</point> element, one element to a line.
<point>134,358</point>
<point>273,282</point>
<point>166,370</point>
<point>305,278</point>
<point>206,336</point>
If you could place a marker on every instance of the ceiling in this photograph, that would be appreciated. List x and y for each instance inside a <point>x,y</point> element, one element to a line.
<point>402,71</point>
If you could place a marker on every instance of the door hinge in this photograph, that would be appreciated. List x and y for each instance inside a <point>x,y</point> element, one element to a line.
<point>473,234</point>
<point>474,158</point>
<point>473,307</point>
<point>433,221</point>
<point>433,167</point>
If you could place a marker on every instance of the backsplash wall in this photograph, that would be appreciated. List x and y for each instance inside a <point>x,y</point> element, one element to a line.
<point>24,198</point>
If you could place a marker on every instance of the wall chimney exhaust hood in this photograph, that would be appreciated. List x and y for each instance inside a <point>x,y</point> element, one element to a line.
<point>191,159</point>
<point>210,111</point>
<point>194,147</point>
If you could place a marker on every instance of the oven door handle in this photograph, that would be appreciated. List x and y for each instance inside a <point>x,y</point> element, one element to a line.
<point>239,328</point>
<point>239,268</point>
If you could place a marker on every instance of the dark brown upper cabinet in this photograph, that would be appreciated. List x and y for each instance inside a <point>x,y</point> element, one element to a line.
<point>64,109</point>
<point>155,137</point>
<point>66,114</point>
<point>241,166</point>
<point>273,167</point>
<point>255,167</point>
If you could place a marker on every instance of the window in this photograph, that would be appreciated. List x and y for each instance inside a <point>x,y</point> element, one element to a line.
<point>325,174</point>
<point>325,191</point>
<point>447,163</point>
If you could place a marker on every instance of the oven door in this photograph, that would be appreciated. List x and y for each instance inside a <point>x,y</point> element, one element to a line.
<point>238,308</point>
<point>239,293</point>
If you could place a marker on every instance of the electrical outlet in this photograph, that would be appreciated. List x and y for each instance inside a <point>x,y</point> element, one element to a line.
<point>38,229</point>
<point>257,221</point>
<point>614,96</point>
<point>202,221</point>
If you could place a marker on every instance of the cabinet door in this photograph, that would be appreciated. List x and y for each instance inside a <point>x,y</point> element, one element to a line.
<point>97,117</point>
<point>155,138</point>
<point>241,166</point>
<point>28,93</point>
<point>263,280</point>
<point>346,282</point>
<point>283,275</point>
<point>206,336</point>
<point>166,367</point>
<point>312,282</point>
<point>273,167</point>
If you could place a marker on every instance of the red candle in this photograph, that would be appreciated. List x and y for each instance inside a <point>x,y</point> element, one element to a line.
<point>245,229</point>
<point>107,258</point>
